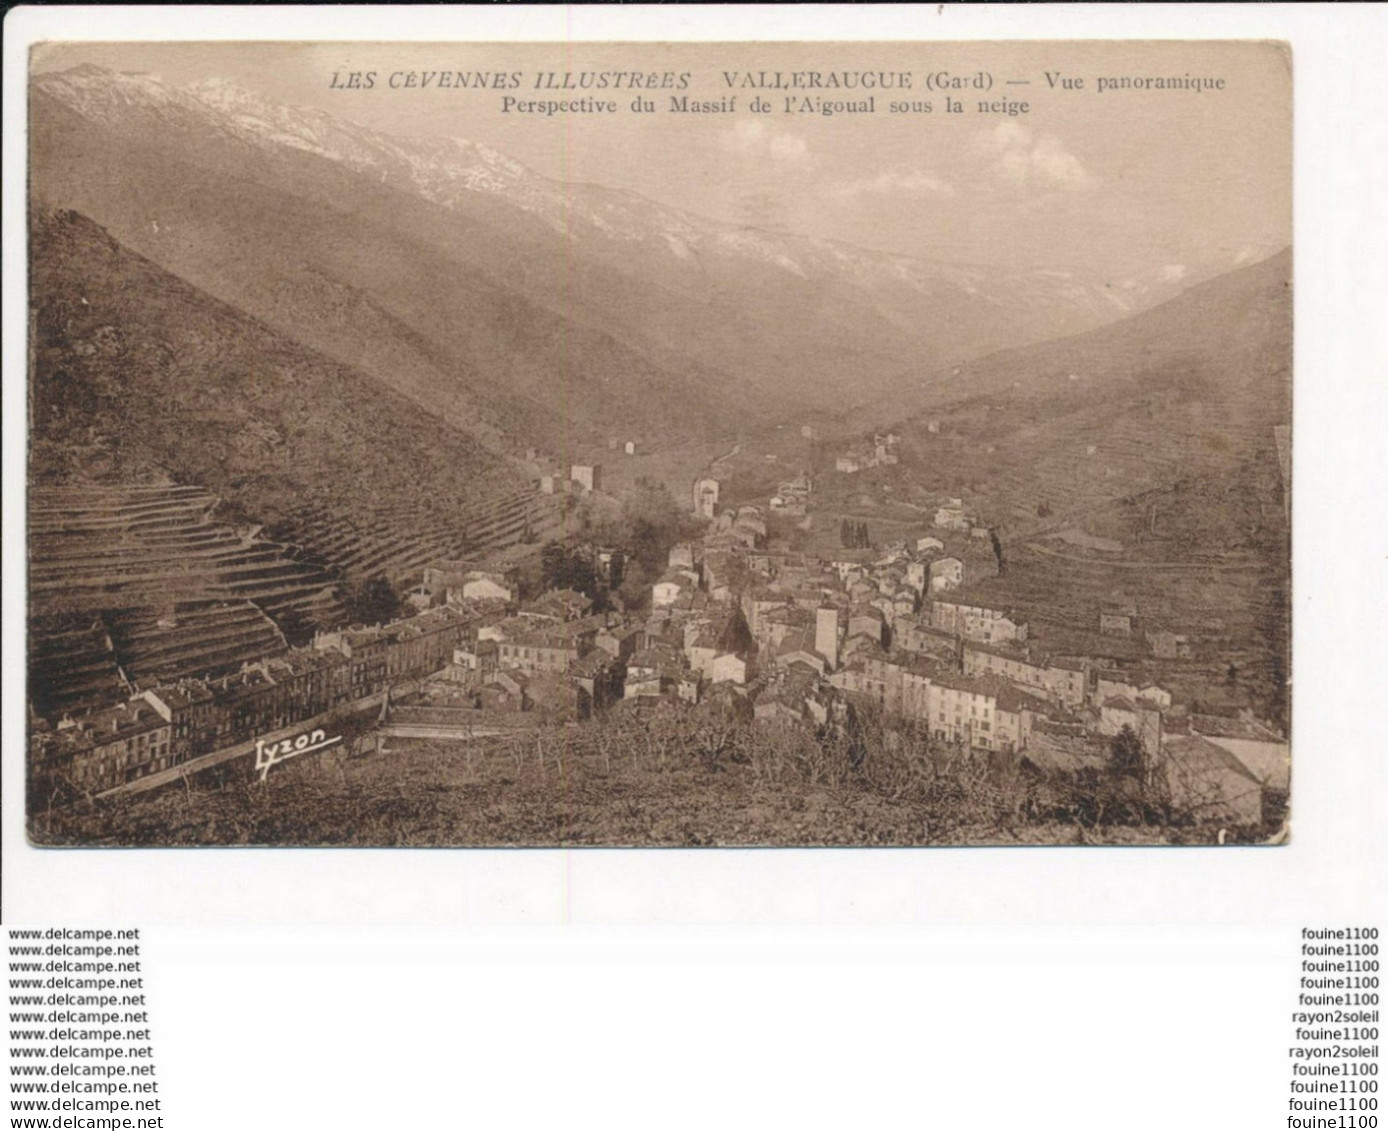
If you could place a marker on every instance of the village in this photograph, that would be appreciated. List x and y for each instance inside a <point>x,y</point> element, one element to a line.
<point>738,623</point>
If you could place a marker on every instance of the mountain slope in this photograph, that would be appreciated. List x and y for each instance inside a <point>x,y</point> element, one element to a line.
<point>340,264</point>
<point>1192,392</point>
<point>140,377</point>
<point>1231,336</point>
<point>505,298</point>
<point>1137,463</point>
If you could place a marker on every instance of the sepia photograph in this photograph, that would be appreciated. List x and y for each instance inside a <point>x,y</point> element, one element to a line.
<point>659,444</point>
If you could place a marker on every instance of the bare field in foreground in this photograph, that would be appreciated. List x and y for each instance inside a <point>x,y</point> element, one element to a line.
<point>571,788</point>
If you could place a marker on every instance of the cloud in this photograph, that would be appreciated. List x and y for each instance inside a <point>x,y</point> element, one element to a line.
<point>905,184</point>
<point>760,141</point>
<point>1027,161</point>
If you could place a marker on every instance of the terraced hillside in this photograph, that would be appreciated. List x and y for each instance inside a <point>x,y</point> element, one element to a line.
<point>170,432</point>
<point>95,548</point>
<point>72,664</point>
<point>80,662</point>
<point>135,584</point>
<point>1233,609</point>
<point>198,638</point>
<point>399,541</point>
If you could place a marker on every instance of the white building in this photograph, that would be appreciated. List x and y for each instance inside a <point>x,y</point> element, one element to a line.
<point>587,475</point>
<point>951,515</point>
<point>705,497</point>
<point>946,574</point>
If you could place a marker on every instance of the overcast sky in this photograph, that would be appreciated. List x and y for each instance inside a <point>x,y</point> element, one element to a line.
<point>1112,184</point>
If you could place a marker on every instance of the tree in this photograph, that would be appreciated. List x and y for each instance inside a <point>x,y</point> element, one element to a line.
<point>580,575</point>
<point>736,636</point>
<point>552,561</point>
<point>1127,758</point>
<point>372,601</point>
<point>567,569</point>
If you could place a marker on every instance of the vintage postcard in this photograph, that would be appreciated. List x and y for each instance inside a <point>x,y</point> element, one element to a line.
<point>655,444</point>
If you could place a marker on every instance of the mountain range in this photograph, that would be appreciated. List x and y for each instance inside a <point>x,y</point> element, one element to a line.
<point>520,309</point>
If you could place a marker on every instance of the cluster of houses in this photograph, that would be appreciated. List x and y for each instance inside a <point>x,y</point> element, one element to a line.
<point>907,630</point>
<point>166,724</point>
<point>627,447</point>
<point>583,479</point>
<point>1119,618</point>
<point>881,452</point>
<point>792,496</point>
<point>786,638</point>
<point>793,638</point>
<point>951,515</point>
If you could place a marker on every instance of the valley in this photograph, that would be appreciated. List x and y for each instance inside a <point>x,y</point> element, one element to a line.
<point>328,423</point>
